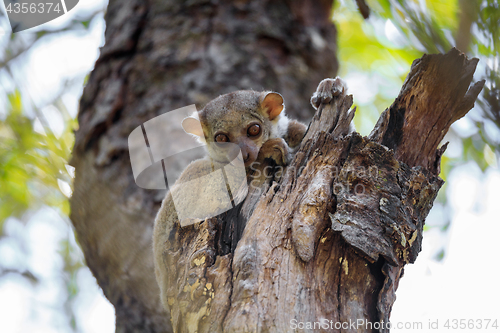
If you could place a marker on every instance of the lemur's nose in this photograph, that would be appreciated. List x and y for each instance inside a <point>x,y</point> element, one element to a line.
<point>245,155</point>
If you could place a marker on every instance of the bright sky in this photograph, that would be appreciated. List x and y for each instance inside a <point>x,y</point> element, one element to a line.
<point>464,285</point>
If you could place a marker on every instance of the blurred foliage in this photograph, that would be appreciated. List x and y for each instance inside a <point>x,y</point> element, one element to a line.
<point>381,49</point>
<point>33,164</point>
<point>34,170</point>
<point>72,264</point>
<point>34,173</point>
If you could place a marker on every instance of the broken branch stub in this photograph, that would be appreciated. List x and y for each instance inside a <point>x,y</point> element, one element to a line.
<point>330,240</point>
<point>435,94</point>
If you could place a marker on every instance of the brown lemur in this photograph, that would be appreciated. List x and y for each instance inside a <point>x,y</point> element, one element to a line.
<point>257,126</point>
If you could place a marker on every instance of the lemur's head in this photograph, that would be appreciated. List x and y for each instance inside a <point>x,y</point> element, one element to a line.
<point>241,120</point>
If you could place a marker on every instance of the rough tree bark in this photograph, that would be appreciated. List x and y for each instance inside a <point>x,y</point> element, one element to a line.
<point>159,56</point>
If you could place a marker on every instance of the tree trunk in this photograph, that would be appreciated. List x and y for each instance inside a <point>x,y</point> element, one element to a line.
<point>159,56</point>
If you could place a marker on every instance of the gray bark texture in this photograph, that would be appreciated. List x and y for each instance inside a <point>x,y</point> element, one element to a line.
<point>329,239</point>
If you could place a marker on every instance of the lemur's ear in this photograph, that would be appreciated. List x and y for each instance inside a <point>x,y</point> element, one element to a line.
<point>272,105</point>
<point>192,126</point>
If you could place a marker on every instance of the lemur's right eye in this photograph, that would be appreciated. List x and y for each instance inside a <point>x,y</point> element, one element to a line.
<point>253,130</point>
<point>221,138</point>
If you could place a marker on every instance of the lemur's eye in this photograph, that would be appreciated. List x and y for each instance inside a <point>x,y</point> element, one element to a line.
<point>221,138</point>
<point>253,130</point>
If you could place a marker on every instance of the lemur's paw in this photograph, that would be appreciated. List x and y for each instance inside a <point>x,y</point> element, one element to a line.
<point>327,90</point>
<point>275,149</point>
